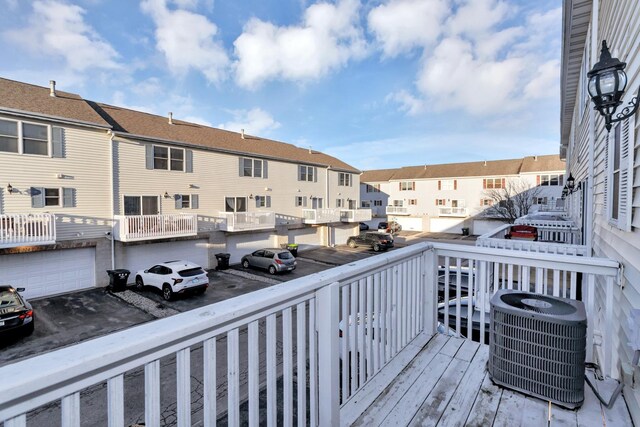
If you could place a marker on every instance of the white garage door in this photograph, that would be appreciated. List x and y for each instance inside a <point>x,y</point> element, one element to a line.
<point>242,244</point>
<point>140,257</point>
<point>49,272</point>
<point>341,233</point>
<point>306,238</point>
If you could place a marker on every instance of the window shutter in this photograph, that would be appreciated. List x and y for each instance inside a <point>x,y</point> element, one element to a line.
<point>350,180</point>
<point>455,184</point>
<point>57,140</point>
<point>178,200</point>
<point>37,197</point>
<point>149,155</point>
<point>504,183</point>
<point>257,201</point>
<point>195,201</point>
<point>241,167</point>
<point>315,174</point>
<point>538,180</point>
<point>413,185</point>
<point>68,197</point>
<point>268,201</point>
<point>626,174</point>
<point>484,183</point>
<point>304,202</point>
<point>608,171</point>
<point>436,202</point>
<point>265,169</point>
<point>439,185</point>
<point>561,180</point>
<point>188,156</point>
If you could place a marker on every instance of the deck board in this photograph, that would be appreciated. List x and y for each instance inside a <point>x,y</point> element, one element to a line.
<point>446,384</point>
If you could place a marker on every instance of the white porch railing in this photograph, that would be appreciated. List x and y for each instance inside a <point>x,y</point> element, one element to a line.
<point>397,210</point>
<point>27,229</point>
<point>336,328</point>
<point>449,211</point>
<point>355,215</point>
<point>550,240</point>
<point>130,228</point>
<point>320,216</point>
<point>243,221</point>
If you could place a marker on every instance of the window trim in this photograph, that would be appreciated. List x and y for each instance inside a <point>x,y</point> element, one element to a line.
<point>169,158</point>
<point>345,179</point>
<point>20,138</point>
<point>307,169</point>
<point>141,204</point>
<point>253,167</point>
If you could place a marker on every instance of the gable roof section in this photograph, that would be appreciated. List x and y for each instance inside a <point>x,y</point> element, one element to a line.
<point>468,169</point>
<point>17,97</point>
<point>141,125</point>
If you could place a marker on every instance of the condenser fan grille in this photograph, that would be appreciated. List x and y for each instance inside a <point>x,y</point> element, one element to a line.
<point>538,304</point>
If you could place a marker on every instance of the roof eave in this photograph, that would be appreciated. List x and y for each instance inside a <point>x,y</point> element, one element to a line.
<point>65,120</point>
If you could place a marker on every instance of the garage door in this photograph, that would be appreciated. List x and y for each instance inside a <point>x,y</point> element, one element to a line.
<point>306,237</point>
<point>49,272</point>
<point>340,233</point>
<point>140,257</point>
<point>242,244</point>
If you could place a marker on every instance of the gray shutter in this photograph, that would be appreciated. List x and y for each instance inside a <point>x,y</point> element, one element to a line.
<point>304,202</point>
<point>608,170</point>
<point>315,174</point>
<point>68,197</point>
<point>241,167</point>
<point>57,141</point>
<point>37,197</point>
<point>626,173</point>
<point>268,201</point>
<point>178,200</point>
<point>188,154</point>
<point>195,202</point>
<point>265,169</point>
<point>350,180</point>
<point>257,201</point>
<point>149,156</point>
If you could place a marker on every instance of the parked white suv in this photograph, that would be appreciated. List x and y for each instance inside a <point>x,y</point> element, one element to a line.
<point>174,277</point>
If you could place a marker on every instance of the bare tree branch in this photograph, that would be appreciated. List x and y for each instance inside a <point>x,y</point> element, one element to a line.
<point>513,201</point>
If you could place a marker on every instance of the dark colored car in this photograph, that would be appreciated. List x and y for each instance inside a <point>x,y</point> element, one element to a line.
<point>272,260</point>
<point>364,226</point>
<point>377,241</point>
<point>16,314</point>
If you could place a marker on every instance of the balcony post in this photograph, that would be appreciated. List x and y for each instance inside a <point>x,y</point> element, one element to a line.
<point>327,303</point>
<point>430,287</point>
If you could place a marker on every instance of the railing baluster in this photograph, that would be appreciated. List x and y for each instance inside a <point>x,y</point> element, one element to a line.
<point>394,311</point>
<point>209,378</point>
<point>287,367</point>
<point>272,401</point>
<point>590,295</point>
<point>379,318</point>
<point>573,284</point>
<point>115,401</point>
<point>345,342</point>
<point>556,283</point>
<point>152,393</point>
<point>313,365</point>
<point>481,303</point>
<point>183,380</point>
<point>70,410</point>
<point>608,329</point>
<point>352,322</point>
<point>388,314</point>
<point>253,366</point>
<point>361,321</point>
<point>370,334</point>
<point>301,353</point>
<point>19,421</point>
<point>329,407</point>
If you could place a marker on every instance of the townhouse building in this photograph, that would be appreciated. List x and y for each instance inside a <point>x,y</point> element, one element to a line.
<point>90,186</point>
<point>447,197</point>
<point>605,162</point>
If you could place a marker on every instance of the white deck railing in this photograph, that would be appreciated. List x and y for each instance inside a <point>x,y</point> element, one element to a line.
<point>449,211</point>
<point>130,228</point>
<point>355,215</point>
<point>243,221</point>
<point>336,328</point>
<point>27,229</point>
<point>550,240</point>
<point>397,210</point>
<point>320,216</point>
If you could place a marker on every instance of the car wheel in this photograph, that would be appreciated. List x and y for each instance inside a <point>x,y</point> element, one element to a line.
<point>352,243</point>
<point>376,248</point>
<point>245,263</point>
<point>272,270</point>
<point>167,292</point>
<point>139,283</point>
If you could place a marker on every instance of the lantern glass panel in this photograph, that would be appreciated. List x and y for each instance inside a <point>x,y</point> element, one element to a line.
<point>607,83</point>
<point>622,80</point>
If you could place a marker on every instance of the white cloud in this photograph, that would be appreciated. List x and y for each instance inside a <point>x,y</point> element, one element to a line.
<point>188,40</point>
<point>408,103</point>
<point>402,25</point>
<point>476,17</point>
<point>546,83</point>
<point>328,37</point>
<point>59,29</point>
<point>255,121</point>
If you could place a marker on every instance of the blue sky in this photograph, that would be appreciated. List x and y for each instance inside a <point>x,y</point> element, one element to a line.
<point>379,84</point>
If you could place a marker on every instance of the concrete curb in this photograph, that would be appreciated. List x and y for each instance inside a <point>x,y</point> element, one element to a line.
<point>145,304</point>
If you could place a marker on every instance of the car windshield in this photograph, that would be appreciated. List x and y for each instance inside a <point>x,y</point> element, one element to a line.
<point>285,255</point>
<point>191,272</point>
<point>9,299</point>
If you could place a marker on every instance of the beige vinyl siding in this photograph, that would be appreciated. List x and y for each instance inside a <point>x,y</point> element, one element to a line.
<point>346,192</point>
<point>85,167</point>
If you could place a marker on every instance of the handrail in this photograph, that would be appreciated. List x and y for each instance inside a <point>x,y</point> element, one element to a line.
<point>32,228</point>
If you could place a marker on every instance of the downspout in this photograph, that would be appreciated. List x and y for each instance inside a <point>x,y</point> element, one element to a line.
<point>592,133</point>
<point>112,204</point>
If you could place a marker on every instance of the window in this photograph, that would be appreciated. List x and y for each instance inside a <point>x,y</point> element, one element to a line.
<point>398,203</point>
<point>447,184</point>
<point>377,203</point>
<point>252,167</point>
<point>375,188</point>
<point>166,158</point>
<point>185,201</point>
<point>263,201</point>
<point>24,138</point>
<point>339,203</point>
<point>235,204</point>
<point>486,202</point>
<point>552,179</point>
<point>540,201</point>
<point>493,183</point>
<point>307,173</point>
<point>344,179</point>
<point>407,185</point>
<point>46,197</point>
<point>301,201</point>
<point>413,201</point>
<point>441,202</point>
<point>365,204</point>
<point>52,197</point>
<point>141,205</point>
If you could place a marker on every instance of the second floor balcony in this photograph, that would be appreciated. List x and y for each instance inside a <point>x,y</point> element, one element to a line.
<point>397,210</point>
<point>320,216</point>
<point>27,230</point>
<point>132,228</point>
<point>558,239</point>
<point>246,221</point>
<point>355,215</point>
<point>453,212</point>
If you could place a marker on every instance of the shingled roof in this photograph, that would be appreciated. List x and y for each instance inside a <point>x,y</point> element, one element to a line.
<point>468,169</point>
<point>29,99</point>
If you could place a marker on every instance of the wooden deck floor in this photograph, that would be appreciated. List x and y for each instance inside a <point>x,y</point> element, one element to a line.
<point>443,381</point>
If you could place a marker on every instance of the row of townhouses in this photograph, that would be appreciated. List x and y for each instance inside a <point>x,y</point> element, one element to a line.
<point>87,187</point>
<point>446,197</point>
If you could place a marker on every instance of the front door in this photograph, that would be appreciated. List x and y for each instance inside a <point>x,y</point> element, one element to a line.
<point>316,203</point>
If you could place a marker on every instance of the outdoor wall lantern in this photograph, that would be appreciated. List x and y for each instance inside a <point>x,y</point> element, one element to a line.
<point>607,82</point>
<point>9,189</point>
<point>565,192</point>
<point>166,195</point>
<point>571,183</point>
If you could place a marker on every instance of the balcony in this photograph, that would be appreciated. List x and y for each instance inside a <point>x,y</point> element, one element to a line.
<point>27,230</point>
<point>246,221</point>
<point>555,239</point>
<point>397,210</point>
<point>453,212</point>
<point>355,215</point>
<point>275,355</point>
<point>132,228</point>
<point>320,216</point>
